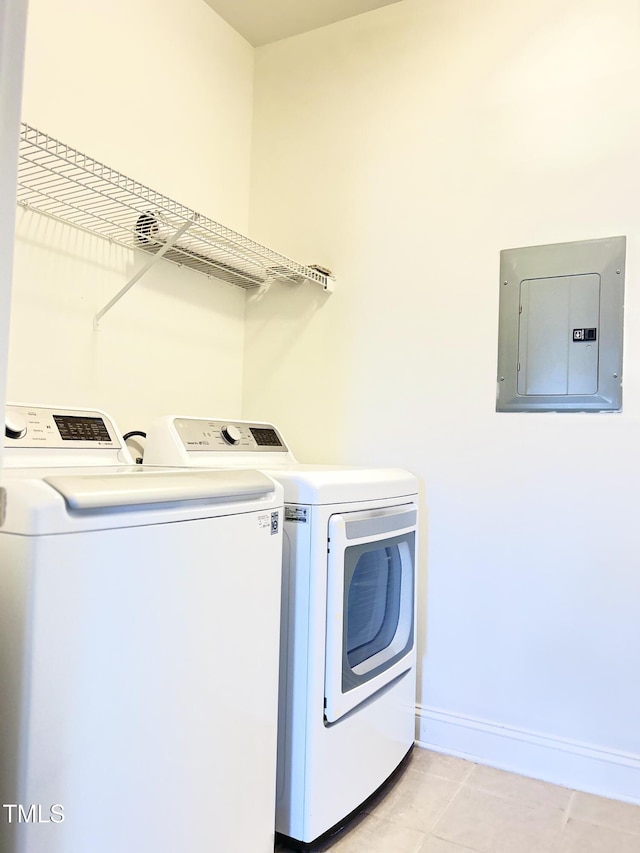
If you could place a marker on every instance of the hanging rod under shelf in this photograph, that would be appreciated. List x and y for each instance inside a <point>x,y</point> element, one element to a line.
<point>61,182</point>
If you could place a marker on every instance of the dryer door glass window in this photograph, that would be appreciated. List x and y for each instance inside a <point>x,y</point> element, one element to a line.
<point>378,612</point>
<point>373,604</point>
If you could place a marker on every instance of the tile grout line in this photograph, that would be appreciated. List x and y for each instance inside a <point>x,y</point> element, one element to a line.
<point>507,797</point>
<point>461,785</point>
<point>567,811</point>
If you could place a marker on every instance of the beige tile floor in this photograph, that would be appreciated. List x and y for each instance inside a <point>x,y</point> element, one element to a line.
<point>442,804</point>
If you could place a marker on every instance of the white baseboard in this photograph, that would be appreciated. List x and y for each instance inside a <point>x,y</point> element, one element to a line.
<point>580,766</point>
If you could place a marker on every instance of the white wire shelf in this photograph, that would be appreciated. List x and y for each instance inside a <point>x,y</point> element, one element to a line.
<point>67,185</point>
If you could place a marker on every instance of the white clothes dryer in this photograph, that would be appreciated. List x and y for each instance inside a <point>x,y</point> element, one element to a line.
<point>139,621</point>
<point>347,665</point>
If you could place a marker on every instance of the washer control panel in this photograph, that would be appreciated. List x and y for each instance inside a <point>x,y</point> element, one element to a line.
<point>35,426</point>
<point>239,436</point>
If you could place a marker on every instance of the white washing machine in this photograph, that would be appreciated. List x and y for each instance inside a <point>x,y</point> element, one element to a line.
<point>139,624</point>
<point>347,666</point>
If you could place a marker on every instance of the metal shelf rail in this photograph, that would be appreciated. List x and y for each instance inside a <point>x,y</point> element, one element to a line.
<point>67,185</point>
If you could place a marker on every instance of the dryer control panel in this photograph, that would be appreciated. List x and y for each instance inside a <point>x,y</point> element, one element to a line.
<point>175,440</point>
<point>241,436</point>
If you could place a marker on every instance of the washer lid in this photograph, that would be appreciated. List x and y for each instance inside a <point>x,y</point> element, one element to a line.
<point>102,491</point>
<point>36,502</point>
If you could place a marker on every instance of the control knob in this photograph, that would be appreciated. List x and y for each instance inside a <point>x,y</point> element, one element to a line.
<point>15,424</point>
<point>231,434</point>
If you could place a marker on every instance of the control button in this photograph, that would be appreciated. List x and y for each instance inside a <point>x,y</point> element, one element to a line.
<point>231,434</point>
<point>15,424</point>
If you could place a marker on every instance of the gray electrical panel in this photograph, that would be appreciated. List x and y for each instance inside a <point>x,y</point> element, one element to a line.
<point>561,324</point>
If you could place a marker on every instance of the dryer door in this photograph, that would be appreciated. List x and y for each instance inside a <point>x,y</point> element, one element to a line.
<point>370,604</point>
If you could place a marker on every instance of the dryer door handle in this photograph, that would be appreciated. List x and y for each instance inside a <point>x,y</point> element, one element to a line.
<point>374,525</point>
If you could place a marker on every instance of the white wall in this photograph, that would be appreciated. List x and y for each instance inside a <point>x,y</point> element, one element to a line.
<point>161,91</point>
<point>405,148</point>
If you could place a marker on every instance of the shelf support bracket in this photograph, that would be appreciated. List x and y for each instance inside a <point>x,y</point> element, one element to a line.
<point>150,263</point>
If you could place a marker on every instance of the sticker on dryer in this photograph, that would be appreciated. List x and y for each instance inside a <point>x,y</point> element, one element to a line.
<point>296,513</point>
